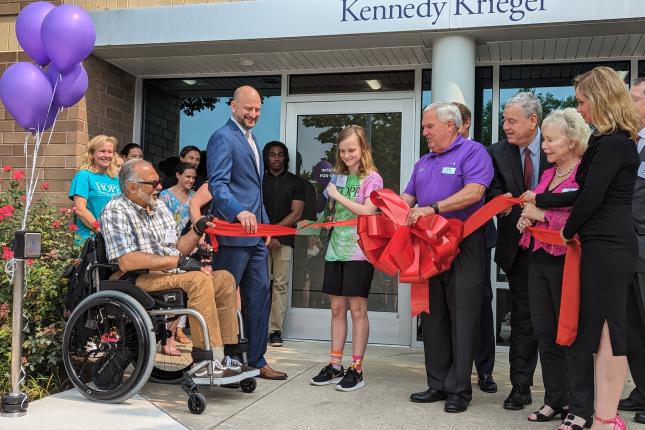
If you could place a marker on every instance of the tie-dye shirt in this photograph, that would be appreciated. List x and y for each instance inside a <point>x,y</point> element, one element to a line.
<point>343,245</point>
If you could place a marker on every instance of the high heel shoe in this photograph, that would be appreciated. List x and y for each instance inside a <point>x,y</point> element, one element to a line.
<point>181,337</point>
<point>617,421</point>
<point>569,422</point>
<point>542,418</point>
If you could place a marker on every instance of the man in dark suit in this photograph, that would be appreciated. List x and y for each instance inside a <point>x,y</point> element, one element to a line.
<point>636,300</point>
<point>485,350</point>
<point>518,161</point>
<point>235,169</point>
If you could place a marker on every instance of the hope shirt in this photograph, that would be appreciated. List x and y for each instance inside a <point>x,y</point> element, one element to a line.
<point>98,189</point>
<point>343,245</point>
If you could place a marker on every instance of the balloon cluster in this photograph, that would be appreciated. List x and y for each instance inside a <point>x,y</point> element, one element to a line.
<point>60,37</point>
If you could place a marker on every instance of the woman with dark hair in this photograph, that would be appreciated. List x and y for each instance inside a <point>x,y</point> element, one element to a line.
<point>191,155</point>
<point>602,217</point>
<point>131,151</point>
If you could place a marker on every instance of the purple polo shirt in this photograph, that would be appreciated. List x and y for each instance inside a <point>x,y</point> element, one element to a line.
<point>438,176</point>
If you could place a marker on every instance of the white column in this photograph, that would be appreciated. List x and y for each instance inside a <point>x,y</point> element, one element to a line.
<point>453,70</point>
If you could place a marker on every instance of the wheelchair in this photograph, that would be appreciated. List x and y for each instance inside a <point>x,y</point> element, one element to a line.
<point>113,340</point>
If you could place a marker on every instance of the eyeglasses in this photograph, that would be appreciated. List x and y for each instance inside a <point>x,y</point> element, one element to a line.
<point>154,183</point>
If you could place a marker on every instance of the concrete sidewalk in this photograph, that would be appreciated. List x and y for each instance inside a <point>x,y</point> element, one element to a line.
<point>391,374</point>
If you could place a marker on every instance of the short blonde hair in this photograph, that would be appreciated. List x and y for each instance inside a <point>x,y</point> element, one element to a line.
<point>92,147</point>
<point>367,162</point>
<point>611,107</point>
<point>571,124</point>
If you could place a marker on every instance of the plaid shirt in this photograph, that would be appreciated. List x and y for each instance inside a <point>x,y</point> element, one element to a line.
<point>127,227</point>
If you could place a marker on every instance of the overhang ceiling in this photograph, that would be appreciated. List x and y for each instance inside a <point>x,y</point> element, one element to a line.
<point>543,43</point>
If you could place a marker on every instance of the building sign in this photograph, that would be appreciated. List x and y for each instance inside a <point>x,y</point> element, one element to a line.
<point>513,10</point>
<point>274,19</point>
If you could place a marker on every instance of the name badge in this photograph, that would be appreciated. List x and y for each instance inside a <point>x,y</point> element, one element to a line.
<point>171,237</point>
<point>567,190</point>
<point>448,170</point>
<point>641,170</point>
<point>341,180</point>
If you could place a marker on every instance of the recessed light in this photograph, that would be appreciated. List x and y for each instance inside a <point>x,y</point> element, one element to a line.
<point>189,81</point>
<point>374,84</point>
<point>246,62</point>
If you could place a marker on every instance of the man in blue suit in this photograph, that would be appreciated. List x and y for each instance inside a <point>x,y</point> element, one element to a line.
<point>235,169</point>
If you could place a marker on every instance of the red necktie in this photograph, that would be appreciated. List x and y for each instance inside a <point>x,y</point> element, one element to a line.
<point>528,169</point>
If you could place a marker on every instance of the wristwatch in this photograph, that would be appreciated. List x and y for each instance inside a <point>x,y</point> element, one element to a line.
<point>435,206</point>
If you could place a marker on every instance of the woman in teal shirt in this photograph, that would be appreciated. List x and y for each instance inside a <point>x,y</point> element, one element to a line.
<point>95,183</point>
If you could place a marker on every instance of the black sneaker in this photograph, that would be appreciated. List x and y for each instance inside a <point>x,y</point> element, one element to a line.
<point>353,380</point>
<point>328,375</point>
<point>275,338</point>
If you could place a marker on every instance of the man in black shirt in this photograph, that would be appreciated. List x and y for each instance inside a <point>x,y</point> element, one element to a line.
<point>284,201</point>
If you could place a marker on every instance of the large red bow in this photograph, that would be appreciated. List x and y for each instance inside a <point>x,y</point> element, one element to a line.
<point>416,252</point>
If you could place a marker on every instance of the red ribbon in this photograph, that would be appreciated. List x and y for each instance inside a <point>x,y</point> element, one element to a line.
<point>417,253</point>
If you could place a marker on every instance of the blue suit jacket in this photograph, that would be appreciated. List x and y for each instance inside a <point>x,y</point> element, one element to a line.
<point>233,179</point>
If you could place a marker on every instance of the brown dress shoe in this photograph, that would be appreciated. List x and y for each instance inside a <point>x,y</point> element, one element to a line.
<point>267,373</point>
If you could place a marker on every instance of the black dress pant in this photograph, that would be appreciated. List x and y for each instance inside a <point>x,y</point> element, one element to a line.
<point>485,350</point>
<point>523,351</point>
<point>636,336</point>
<point>451,328</point>
<point>568,376</point>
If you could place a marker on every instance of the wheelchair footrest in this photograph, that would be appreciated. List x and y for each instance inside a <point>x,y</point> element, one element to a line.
<point>237,348</point>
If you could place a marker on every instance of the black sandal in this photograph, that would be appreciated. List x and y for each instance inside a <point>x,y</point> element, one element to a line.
<point>541,418</point>
<point>568,421</point>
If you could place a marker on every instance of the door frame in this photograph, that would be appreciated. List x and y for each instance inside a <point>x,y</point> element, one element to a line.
<point>394,328</point>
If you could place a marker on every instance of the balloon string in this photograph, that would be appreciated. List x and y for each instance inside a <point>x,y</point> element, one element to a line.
<point>34,177</point>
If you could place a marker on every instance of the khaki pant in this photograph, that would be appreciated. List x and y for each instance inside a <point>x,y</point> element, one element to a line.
<point>214,297</point>
<point>279,265</point>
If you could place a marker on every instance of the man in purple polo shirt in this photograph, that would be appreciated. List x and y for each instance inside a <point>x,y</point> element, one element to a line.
<point>451,180</point>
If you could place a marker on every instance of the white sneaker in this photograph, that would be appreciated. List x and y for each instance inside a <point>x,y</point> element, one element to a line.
<point>247,371</point>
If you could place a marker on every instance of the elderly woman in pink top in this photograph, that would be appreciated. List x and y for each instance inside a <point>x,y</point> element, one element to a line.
<point>568,379</point>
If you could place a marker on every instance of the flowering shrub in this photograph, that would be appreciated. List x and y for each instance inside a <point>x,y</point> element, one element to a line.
<point>45,290</point>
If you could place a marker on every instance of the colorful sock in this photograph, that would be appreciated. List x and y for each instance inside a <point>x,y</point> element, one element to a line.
<point>336,359</point>
<point>357,362</point>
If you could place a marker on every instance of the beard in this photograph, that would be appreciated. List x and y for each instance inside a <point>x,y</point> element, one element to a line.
<point>150,199</point>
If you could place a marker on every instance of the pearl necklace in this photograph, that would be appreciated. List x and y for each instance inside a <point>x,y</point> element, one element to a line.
<point>561,175</point>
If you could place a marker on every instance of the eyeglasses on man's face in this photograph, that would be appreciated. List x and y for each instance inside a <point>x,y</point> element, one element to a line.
<point>154,183</point>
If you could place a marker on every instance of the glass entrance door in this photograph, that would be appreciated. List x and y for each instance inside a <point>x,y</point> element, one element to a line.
<point>311,133</point>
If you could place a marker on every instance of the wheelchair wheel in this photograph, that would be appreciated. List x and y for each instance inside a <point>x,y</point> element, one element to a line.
<point>196,403</point>
<point>108,347</point>
<point>170,369</point>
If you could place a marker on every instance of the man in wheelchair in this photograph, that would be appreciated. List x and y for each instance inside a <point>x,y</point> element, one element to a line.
<point>140,236</point>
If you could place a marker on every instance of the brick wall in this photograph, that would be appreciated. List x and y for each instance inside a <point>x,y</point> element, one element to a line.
<point>161,126</point>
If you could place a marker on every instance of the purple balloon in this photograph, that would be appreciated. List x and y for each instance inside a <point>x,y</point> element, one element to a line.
<point>28,25</point>
<point>50,118</point>
<point>68,36</point>
<point>26,93</point>
<point>70,87</point>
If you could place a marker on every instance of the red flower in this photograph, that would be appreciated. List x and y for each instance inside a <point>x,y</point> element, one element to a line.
<point>6,211</point>
<point>73,228</point>
<point>23,198</point>
<point>18,175</point>
<point>7,253</point>
<point>56,223</point>
<point>4,310</point>
<point>30,262</point>
<point>45,186</point>
<point>7,168</point>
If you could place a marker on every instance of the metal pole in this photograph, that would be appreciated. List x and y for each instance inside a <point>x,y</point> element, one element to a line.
<point>14,404</point>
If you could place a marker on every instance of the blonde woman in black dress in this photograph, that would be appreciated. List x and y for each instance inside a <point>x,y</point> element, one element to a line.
<point>601,217</point>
